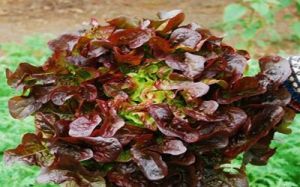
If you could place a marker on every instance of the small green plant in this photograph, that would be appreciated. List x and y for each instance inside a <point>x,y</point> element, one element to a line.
<point>262,24</point>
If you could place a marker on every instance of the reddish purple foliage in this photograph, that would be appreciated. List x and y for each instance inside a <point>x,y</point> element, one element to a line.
<point>147,103</point>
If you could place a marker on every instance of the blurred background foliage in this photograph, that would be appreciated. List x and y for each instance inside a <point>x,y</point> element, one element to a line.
<point>260,26</point>
<point>263,26</point>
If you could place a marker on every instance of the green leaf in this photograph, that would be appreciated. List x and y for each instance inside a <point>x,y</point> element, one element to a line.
<point>83,74</point>
<point>124,156</point>
<point>285,3</point>
<point>233,12</point>
<point>296,29</point>
<point>261,43</point>
<point>132,117</point>
<point>253,68</point>
<point>250,32</point>
<point>261,7</point>
<point>276,2</point>
<point>288,16</point>
<point>298,5</point>
<point>274,35</point>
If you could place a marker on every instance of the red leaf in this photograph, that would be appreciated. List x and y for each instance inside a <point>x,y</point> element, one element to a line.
<point>84,125</point>
<point>191,89</point>
<point>134,57</point>
<point>236,65</point>
<point>124,22</point>
<point>104,149</point>
<point>61,94</point>
<point>195,65</point>
<point>45,122</point>
<point>129,133</point>
<point>275,68</point>
<point>262,123</point>
<point>160,46</point>
<point>150,163</point>
<point>89,92</point>
<point>21,107</point>
<point>74,151</point>
<point>100,32</point>
<point>96,49</point>
<point>133,38</point>
<point>172,20</point>
<point>173,147</point>
<point>184,160</point>
<point>25,152</point>
<point>64,43</point>
<point>172,126</point>
<point>23,76</point>
<point>112,122</point>
<point>191,66</point>
<point>65,168</point>
<point>127,174</point>
<point>243,88</point>
<point>185,38</point>
<point>232,120</point>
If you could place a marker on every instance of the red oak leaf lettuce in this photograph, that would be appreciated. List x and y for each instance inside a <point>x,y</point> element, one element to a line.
<point>148,103</point>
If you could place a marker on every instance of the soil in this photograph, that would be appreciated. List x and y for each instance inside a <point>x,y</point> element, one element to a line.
<point>19,18</point>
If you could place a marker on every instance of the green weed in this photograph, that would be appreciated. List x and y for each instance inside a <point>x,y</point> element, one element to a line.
<point>255,25</point>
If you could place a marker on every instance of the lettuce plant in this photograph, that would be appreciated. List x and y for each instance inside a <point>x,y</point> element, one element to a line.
<point>147,102</point>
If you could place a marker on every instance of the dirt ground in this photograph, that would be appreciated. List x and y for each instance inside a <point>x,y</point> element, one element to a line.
<point>19,18</point>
